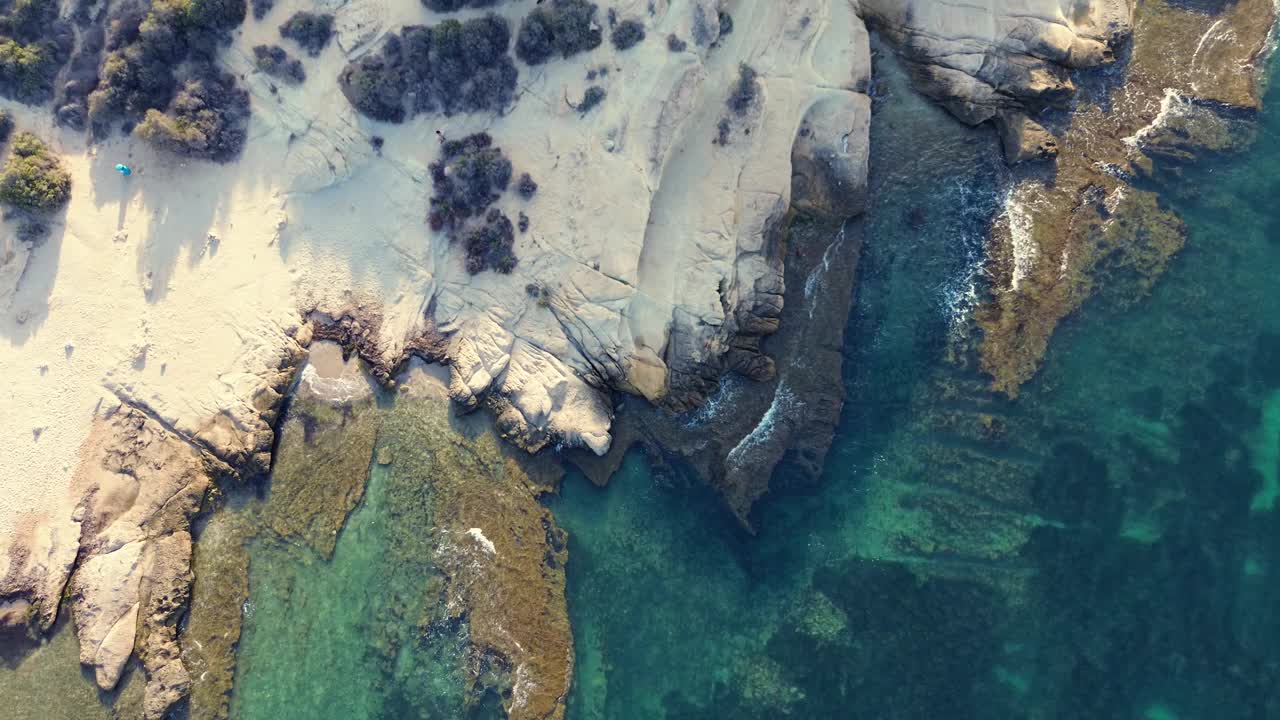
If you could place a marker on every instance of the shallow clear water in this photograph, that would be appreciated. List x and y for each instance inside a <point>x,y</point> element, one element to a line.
<point>1104,547</point>
<point>341,638</point>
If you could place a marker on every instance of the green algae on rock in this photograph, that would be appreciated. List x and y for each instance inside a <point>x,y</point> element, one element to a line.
<point>436,589</point>
<point>212,630</point>
<point>1057,240</point>
<point>323,454</point>
<point>500,551</point>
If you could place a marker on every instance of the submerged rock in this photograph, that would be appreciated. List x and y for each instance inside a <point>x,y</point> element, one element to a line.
<point>467,567</point>
<point>502,555</point>
<point>1057,244</point>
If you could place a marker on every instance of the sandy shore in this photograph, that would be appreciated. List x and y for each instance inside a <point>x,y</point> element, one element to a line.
<point>178,286</point>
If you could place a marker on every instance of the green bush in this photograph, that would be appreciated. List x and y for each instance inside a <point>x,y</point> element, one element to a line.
<point>469,177</point>
<point>34,46</point>
<point>33,177</point>
<point>592,97</point>
<point>27,71</point>
<point>744,91</point>
<point>374,85</point>
<point>211,15</point>
<point>261,8</point>
<point>207,119</point>
<point>452,5</point>
<point>489,244</point>
<point>310,30</point>
<point>274,61</point>
<point>450,68</point>
<point>564,26</point>
<point>526,187</point>
<point>153,54</point>
<point>6,125</point>
<point>627,34</point>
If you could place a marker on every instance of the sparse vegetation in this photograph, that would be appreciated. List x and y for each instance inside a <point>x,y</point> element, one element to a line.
<point>744,91</point>
<point>310,30</point>
<point>726,23</point>
<point>722,132</point>
<point>489,244</point>
<point>274,61</point>
<point>452,5</point>
<point>526,187</point>
<point>207,119</point>
<point>558,26</point>
<point>450,68</point>
<point>592,97</point>
<point>33,177</point>
<point>467,180</point>
<point>675,44</point>
<point>627,34</point>
<point>470,176</point>
<point>261,8</point>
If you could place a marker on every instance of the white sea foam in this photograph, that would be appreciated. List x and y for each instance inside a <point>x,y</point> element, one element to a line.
<point>819,273</point>
<point>485,543</point>
<point>1172,104</point>
<point>784,402</point>
<point>1204,38</point>
<point>967,237</point>
<point>723,398</point>
<point>1019,214</point>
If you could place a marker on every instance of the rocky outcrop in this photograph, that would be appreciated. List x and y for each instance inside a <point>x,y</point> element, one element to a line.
<point>652,264</point>
<point>322,457</point>
<point>748,428</point>
<point>997,60</point>
<point>1187,76</point>
<point>1024,139</point>
<point>829,158</point>
<point>1189,81</point>
<point>124,552</point>
<point>136,546</point>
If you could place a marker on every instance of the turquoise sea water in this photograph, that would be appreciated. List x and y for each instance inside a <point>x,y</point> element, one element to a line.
<point>1106,546</point>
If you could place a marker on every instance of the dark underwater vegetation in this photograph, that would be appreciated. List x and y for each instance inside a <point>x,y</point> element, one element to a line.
<point>1105,546</point>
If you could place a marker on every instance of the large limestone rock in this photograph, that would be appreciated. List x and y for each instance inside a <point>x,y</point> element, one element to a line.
<point>984,59</point>
<point>143,483</point>
<point>653,262</point>
<point>829,159</point>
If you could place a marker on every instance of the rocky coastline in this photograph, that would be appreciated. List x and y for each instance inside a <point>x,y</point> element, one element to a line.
<point>708,330</point>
